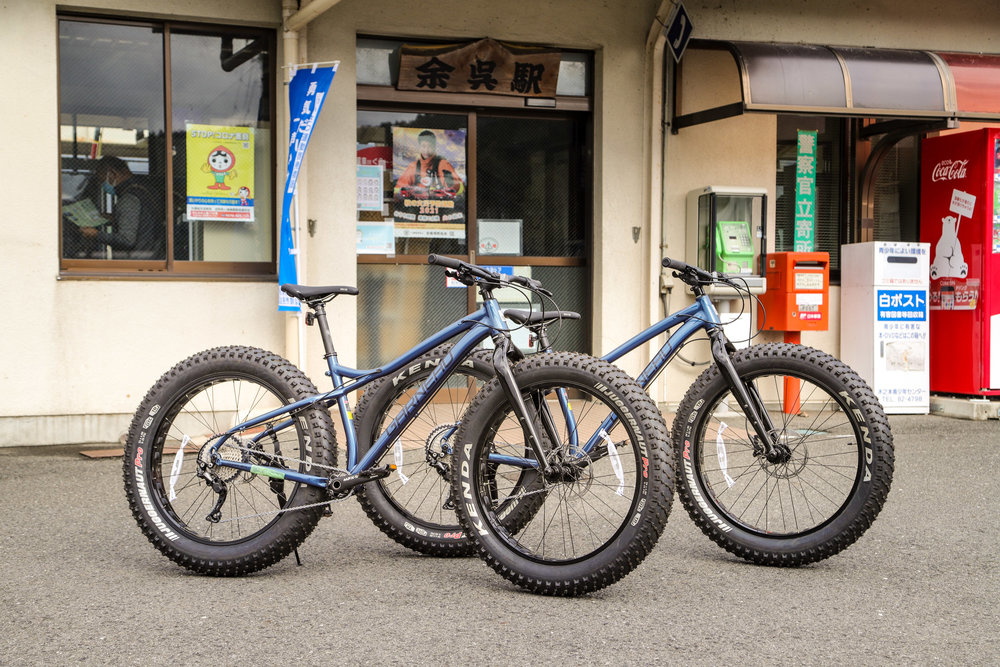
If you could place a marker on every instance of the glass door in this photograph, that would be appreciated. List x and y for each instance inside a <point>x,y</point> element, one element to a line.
<point>502,190</point>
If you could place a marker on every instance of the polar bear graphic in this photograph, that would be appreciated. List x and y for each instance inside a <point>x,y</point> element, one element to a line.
<point>948,259</point>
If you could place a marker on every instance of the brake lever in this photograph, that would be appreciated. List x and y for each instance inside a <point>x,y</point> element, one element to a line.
<point>531,284</point>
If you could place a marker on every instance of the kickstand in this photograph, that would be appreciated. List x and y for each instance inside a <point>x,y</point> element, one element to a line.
<point>298,561</point>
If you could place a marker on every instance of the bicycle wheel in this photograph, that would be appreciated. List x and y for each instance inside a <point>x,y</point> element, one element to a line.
<point>594,517</point>
<point>420,512</point>
<point>262,519</point>
<point>821,495</point>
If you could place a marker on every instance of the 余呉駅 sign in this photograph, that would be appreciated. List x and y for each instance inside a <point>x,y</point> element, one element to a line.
<point>486,66</point>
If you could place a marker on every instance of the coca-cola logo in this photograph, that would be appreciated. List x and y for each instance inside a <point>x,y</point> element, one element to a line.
<point>949,170</point>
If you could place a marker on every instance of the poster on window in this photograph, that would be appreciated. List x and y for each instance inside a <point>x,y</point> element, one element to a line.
<point>220,178</point>
<point>369,179</point>
<point>428,174</point>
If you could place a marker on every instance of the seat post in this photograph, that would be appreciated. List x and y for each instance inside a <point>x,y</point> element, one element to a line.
<point>324,329</point>
<point>543,338</point>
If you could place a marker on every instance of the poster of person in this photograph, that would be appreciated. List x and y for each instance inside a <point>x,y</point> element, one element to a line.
<point>220,172</point>
<point>428,174</point>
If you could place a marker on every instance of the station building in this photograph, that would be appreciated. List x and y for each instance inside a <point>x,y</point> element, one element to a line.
<point>566,140</point>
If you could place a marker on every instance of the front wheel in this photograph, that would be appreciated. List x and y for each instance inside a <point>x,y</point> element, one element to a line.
<point>604,502</point>
<point>826,483</point>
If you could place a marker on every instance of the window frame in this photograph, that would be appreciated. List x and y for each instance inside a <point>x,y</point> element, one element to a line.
<point>170,268</point>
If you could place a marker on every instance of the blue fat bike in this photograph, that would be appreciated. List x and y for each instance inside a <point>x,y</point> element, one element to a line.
<point>231,457</point>
<point>783,453</point>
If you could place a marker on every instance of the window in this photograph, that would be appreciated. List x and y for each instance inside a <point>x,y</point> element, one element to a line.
<point>897,193</point>
<point>503,189</point>
<point>829,192</point>
<point>200,204</point>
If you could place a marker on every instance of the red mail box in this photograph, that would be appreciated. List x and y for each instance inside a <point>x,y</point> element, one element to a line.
<point>798,292</point>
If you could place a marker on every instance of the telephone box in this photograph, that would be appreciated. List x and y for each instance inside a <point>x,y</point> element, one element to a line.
<point>726,233</point>
<point>798,292</point>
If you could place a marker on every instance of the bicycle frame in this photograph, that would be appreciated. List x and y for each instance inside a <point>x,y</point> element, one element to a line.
<point>475,327</point>
<point>701,315</point>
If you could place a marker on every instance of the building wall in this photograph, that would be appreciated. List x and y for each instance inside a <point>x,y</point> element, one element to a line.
<point>87,350</point>
<point>618,40</point>
<point>80,353</point>
<point>742,150</point>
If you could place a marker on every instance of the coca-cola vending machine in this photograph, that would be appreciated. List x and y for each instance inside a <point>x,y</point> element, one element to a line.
<point>960,219</point>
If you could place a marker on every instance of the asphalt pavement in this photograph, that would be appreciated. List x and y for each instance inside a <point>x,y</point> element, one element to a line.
<point>80,584</point>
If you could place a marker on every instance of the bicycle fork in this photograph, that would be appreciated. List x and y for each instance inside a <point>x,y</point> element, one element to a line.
<point>748,397</point>
<point>525,415</point>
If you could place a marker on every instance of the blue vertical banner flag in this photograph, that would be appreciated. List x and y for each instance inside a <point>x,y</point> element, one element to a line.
<point>306,93</point>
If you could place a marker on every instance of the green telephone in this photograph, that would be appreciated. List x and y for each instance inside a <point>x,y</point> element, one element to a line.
<point>733,247</point>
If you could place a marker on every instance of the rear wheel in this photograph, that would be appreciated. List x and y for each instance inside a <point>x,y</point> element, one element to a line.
<point>242,521</point>
<point>822,491</point>
<point>420,512</point>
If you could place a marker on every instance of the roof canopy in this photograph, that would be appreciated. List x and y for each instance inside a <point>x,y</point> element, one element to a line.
<point>845,81</point>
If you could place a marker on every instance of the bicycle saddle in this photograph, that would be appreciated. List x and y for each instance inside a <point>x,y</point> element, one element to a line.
<point>535,317</point>
<point>317,293</point>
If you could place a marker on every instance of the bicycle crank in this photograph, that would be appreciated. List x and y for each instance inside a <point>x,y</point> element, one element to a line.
<point>340,486</point>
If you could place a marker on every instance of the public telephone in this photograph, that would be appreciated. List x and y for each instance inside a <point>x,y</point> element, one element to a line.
<point>726,233</point>
<point>733,247</point>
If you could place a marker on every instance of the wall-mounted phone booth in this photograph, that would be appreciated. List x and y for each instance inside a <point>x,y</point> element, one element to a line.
<point>727,233</point>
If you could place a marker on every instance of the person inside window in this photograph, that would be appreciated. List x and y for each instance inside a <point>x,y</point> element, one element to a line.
<point>136,229</point>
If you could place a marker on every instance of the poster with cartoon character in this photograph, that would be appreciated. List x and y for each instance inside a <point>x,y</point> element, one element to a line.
<point>220,172</point>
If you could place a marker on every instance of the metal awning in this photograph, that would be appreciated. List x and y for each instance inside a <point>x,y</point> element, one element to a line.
<point>844,81</point>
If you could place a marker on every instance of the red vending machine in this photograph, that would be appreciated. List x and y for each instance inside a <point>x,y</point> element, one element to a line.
<point>960,219</point>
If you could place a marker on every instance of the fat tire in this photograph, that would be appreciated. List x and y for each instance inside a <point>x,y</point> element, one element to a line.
<point>874,460</point>
<point>644,519</point>
<point>419,533</point>
<point>143,464</point>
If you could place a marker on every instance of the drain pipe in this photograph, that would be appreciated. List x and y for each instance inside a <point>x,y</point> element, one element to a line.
<point>295,19</point>
<point>655,148</point>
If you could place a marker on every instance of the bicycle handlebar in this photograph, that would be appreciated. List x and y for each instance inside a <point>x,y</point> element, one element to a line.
<point>462,270</point>
<point>693,275</point>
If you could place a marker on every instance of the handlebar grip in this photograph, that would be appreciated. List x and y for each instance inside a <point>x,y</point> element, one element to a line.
<point>675,264</point>
<point>448,262</point>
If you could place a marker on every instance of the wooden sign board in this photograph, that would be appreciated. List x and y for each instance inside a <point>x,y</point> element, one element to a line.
<point>486,66</point>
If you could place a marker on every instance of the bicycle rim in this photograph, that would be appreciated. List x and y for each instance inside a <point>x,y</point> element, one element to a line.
<point>789,498</point>
<point>191,424</point>
<point>583,511</point>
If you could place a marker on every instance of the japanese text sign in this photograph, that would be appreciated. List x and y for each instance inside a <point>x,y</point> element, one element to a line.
<point>902,305</point>
<point>486,66</point>
<point>962,203</point>
<point>220,172</point>
<point>805,191</point>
